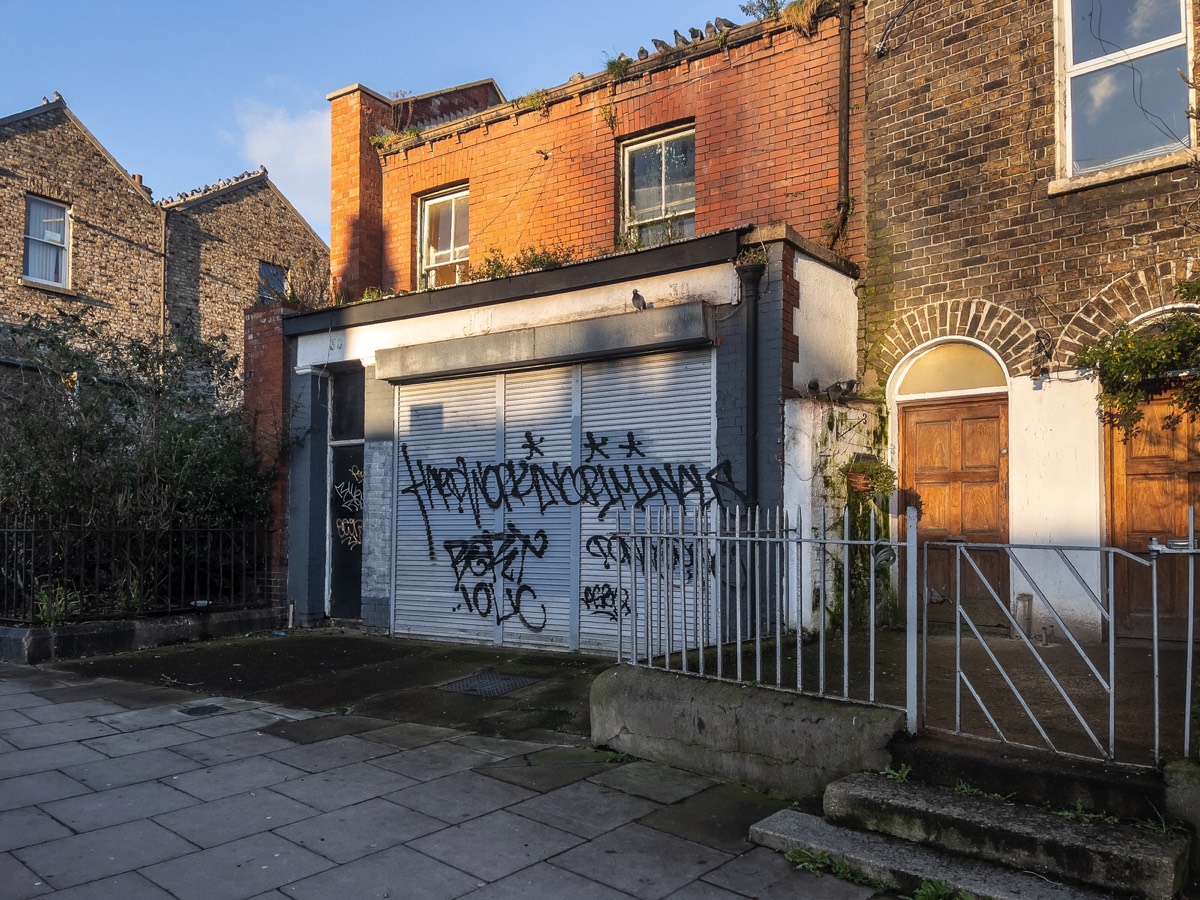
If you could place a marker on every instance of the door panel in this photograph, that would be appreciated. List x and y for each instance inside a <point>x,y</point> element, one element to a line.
<point>954,455</point>
<point>1153,479</point>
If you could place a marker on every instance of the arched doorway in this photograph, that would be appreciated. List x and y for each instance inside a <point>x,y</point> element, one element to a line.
<point>952,399</point>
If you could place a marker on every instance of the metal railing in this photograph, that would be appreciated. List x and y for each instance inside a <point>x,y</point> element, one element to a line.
<point>53,573</point>
<point>1013,643</point>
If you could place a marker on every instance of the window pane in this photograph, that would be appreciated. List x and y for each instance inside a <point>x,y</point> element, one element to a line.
<point>439,224</point>
<point>460,226</point>
<point>47,221</point>
<point>44,262</point>
<point>1129,111</point>
<point>346,417</point>
<point>645,183</point>
<point>680,164</point>
<point>1101,27</point>
<point>272,281</point>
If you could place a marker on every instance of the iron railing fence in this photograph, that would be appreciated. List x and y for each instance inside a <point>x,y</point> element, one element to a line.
<point>52,573</point>
<point>1020,644</point>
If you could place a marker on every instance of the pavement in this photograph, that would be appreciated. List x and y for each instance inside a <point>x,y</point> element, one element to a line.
<point>131,777</point>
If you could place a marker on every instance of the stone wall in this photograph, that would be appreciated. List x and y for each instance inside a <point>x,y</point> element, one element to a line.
<point>115,237</point>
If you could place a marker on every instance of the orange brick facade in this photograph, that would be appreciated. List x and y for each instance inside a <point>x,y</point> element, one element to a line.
<point>763,101</point>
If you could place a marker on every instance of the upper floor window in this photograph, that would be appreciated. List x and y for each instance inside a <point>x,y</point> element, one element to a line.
<point>46,242</point>
<point>443,256</point>
<point>272,282</point>
<point>660,187</point>
<point>1125,99</point>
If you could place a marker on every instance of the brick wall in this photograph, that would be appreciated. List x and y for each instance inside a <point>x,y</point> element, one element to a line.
<point>214,247</point>
<point>115,230</point>
<point>963,236</point>
<point>266,399</point>
<point>765,112</point>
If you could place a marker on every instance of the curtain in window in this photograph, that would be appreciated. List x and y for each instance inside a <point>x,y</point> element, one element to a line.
<point>45,241</point>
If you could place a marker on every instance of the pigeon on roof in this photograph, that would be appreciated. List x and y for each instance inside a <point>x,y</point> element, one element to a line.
<point>660,46</point>
<point>643,53</point>
<point>680,40</point>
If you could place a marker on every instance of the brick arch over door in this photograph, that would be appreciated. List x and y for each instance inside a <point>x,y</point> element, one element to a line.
<point>1008,334</point>
<point>1127,298</point>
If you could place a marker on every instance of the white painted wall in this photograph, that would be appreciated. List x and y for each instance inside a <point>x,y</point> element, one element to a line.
<point>825,324</point>
<point>712,284</point>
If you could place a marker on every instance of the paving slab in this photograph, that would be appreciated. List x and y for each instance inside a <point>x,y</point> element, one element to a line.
<point>500,747</point>
<point>585,809</point>
<point>495,845</point>
<point>461,796</point>
<point>157,738</point>
<point>129,886</point>
<point>152,696</point>
<point>57,733</point>
<point>239,869</point>
<point>26,762</point>
<point>702,890</point>
<point>343,786</point>
<point>230,818</point>
<point>378,876</point>
<point>719,817</point>
<point>545,770</point>
<point>231,723</point>
<point>230,747</point>
<point>322,728</point>
<point>101,809</point>
<point>652,864</point>
<point>22,700</point>
<point>107,773</point>
<point>654,781</point>
<point>766,875</point>
<point>231,778</point>
<point>103,688</point>
<point>40,787</point>
<point>434,761</point>
<point>28,825</point>
<point>99,854</point>
<point>410,735</point>
<point>14,718</point>
<point>355,831</point>
<point>329,754</point>
<point>79,709</point>
<point>546,880</point>
<point>19,881</point>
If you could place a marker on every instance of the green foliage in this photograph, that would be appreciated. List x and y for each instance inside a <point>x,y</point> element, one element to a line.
<point>617,67</point>
<point>116,431</point>
<point>536,100</point>
<point>812,861</point>
<point>753,256</point>
<point>620,758</point>
<point>55,604</point>
<point>1132,365</point>
<point>901,774</point>
<point>528,259</point>
<point>881,476</point>
<point>762,9</point>
<point>936,889</point>
<point>1079,814</point>
<point>968,790</point>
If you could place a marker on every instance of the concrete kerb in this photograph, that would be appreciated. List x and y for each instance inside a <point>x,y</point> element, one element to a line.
<point>32,646</point>
<point>771,740</point>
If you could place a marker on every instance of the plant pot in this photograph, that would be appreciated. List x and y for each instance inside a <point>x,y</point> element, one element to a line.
<point>859,482</point>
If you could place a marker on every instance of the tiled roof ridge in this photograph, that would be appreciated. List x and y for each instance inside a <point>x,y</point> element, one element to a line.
<point>223,184</point>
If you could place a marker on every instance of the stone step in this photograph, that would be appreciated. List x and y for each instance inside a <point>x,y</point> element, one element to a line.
<point>1031,777</point>
<point>902,866</point>
<point>1120,858</point>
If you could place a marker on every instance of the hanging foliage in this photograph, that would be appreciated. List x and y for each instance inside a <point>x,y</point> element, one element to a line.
<point>1134,365</point>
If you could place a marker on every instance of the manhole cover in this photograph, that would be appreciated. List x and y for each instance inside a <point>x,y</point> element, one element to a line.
<point>203,710</point>
<point>488,684</point>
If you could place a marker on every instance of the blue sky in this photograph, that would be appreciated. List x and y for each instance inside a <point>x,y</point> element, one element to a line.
<point>187,92</point>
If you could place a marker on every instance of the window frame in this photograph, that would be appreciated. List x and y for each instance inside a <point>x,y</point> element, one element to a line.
<point>459,254</point>
<point>1068,71</point>
<point>63,246</point>
<point>267,291</point>
<point>633,229</point>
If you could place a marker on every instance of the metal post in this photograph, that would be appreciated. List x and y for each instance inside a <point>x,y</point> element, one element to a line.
<point>910,627</point>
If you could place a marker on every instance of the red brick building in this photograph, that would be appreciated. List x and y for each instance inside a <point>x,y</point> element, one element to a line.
<point>593,299</point>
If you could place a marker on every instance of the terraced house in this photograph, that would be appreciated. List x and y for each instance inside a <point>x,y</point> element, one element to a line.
<point>599,297</point>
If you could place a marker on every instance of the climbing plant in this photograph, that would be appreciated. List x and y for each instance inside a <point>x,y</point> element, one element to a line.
<point>1133,364</point>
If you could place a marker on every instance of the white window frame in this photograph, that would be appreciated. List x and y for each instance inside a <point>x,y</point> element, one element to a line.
<point>457,255</point>
<point>61,242</point>
<point>634,228</point>
<point>1068,70</point>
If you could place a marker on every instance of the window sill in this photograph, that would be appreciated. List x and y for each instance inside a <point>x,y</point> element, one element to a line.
<point>47,286</point>
<point>1177,160</point>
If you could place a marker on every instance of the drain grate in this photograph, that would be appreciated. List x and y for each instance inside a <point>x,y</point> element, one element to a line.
<point>488,684</point>
<point>206,709</point>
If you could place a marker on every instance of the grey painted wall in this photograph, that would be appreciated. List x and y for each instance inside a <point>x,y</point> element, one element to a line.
<point>378,509</point>
<point>307,499</point>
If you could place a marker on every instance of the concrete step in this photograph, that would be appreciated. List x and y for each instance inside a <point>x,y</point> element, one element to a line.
<point>1031,777</point>
<point>1120,858</point>
<point>902,866</point>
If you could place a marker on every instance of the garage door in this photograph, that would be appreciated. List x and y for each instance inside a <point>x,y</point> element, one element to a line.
<point>508,486</point>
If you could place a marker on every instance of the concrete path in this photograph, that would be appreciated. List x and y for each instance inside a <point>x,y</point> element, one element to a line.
<point>110,789</point>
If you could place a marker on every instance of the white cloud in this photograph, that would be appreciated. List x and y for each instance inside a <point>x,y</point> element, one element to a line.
<point>1099,92</point>
<point>295,149</point>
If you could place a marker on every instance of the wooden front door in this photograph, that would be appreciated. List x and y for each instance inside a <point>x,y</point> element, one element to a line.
<point>954,454</point>
<point>1153,479</point>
